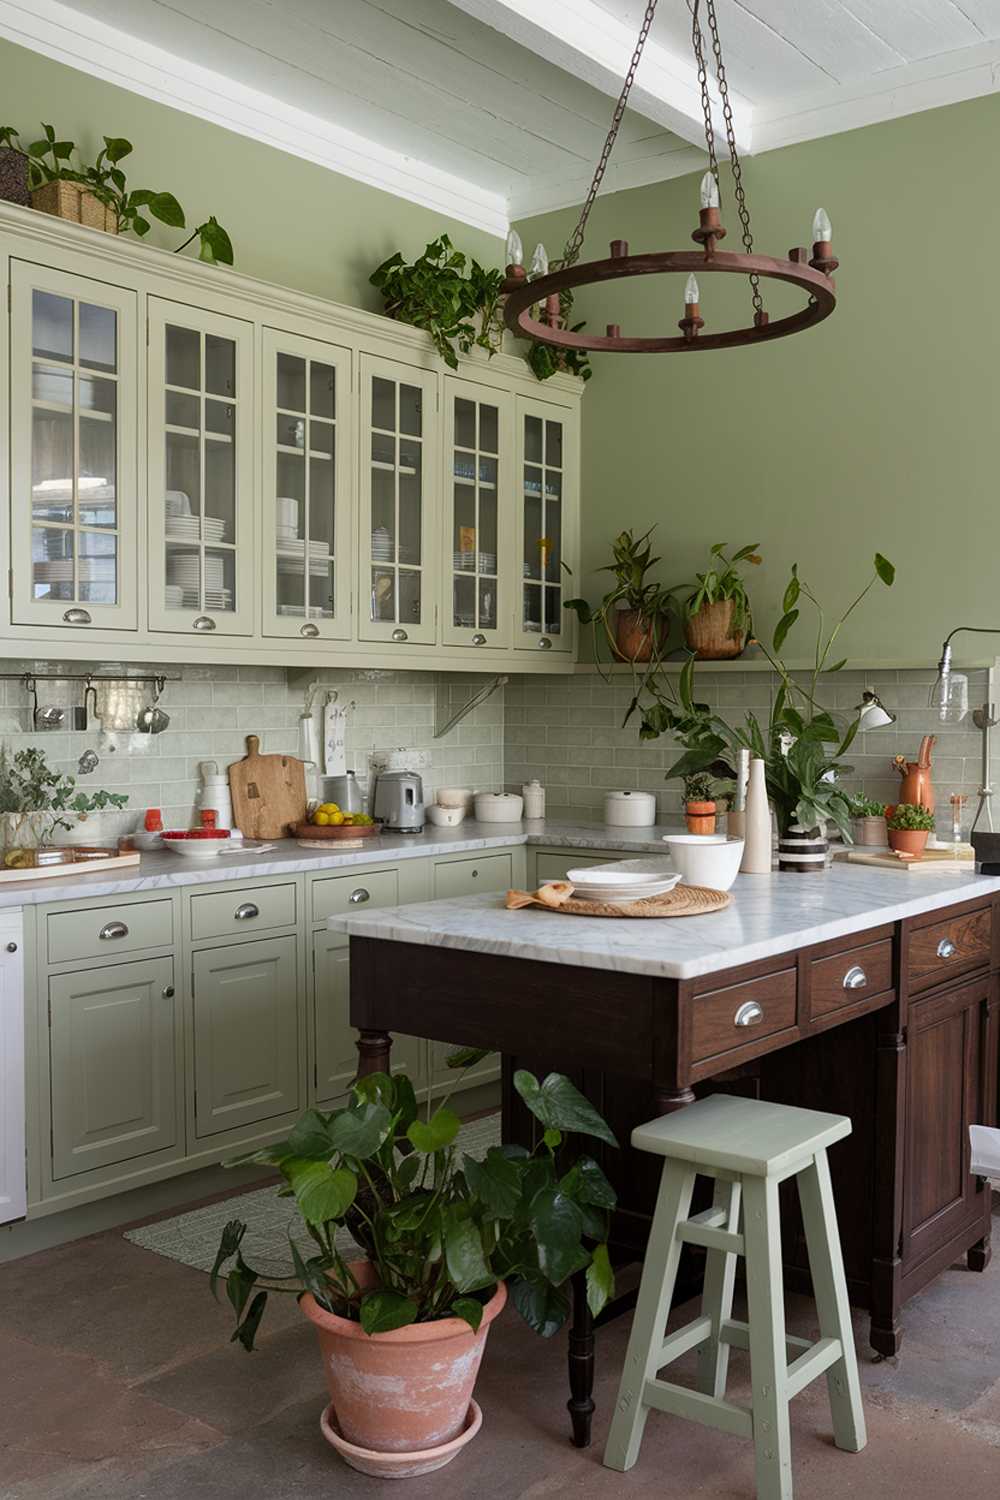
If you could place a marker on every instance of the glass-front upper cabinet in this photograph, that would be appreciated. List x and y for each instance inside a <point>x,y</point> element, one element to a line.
<point>73,451</point>
<point>478,534</point>
<point>547,510</point>
<point>201,471</point>
<point>307,492</point>
<point>399,509</point>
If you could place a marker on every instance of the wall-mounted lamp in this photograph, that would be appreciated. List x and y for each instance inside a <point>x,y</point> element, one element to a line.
<point>872,713</point>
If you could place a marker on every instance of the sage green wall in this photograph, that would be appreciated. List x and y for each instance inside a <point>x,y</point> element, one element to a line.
<point>878,429</point>
<point>291,222</point>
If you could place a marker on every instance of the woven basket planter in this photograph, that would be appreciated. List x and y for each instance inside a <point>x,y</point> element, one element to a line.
<point>14,177</point>
<point>709,632</point>
<point>67,200</point>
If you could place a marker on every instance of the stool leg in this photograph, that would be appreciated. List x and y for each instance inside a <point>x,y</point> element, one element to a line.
<point>826,1264</point>
<point>768,1360</point>
<point>717,1297</point>
<point>659,1273</point>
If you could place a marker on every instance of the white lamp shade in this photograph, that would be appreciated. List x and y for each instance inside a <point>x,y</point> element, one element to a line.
<point>874,716</point>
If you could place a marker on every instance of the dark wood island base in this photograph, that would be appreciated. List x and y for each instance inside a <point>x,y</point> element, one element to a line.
<point>909,1052</point>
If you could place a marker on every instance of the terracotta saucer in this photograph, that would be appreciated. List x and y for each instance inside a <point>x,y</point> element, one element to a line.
<point>399,1465</point>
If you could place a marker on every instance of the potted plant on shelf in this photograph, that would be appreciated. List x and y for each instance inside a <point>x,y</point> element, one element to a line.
<point>440,1242</point>
<point>910,825</point>
<point>14,186</point>
<point>460,308</point>
<point>634,616</point>
<point>699,803</point>
<point>718,615</point>
<point>36,800</point>
<point>868,822</point>
<point>801,744</point>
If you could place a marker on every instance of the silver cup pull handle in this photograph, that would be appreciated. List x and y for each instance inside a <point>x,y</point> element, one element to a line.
<point>310,631</point>
<point>544,644</point>
<point>479,639</point>
<point>400,635</point>
<point>946,948</point>
<point>113,930</point>
<point>749,1014</point>
<point>356,898</point>
<point>855,978</point>
<point>204,622</point>
<point>78,617</point>
<point>246,912</point>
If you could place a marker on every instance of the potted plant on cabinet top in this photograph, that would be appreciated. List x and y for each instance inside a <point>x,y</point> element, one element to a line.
<point>14,186</point>
<point>718,615</point>
<point>868,822</point>
<point>910,825</point>
<point>403,1322</point>
<point>633,617</point>
<point>699,803</point>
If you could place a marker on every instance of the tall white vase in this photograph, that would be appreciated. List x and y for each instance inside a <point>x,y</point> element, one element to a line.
<point>757,846</point>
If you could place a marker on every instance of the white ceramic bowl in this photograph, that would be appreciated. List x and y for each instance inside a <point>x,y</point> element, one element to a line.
<point>709,859</point>
<point>197,850</point>
<point>456,796</point>
<point>499,807</point>
<point>444,817</point>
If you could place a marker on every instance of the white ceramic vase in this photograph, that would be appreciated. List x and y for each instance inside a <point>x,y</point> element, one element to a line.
<point>757,845</point>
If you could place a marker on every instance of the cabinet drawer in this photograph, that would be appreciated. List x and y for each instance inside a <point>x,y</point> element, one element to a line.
<point>949,947</point>
<point>108,931</point>
<point>470,877</point>
<point>554,866</point>
<point>849,977</point>
<point>342,894</point>
<point>723,1020</point>
<point>242,911</point>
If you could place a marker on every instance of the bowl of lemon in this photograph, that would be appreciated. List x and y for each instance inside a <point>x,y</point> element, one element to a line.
<point>328,821</point>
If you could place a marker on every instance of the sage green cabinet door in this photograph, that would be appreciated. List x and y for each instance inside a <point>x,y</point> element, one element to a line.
<point>246,1030</point>
<point>335,1053</point>
<point>114,1053</point>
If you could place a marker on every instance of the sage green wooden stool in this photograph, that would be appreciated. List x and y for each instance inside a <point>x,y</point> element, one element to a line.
<point>748,1147</point>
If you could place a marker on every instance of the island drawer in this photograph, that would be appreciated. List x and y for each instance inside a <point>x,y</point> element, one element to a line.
<point>937,950</point>
<point>742,1014</point>
<point>845,978</point>
<point>108,931</point>
<point>242,911</point>
<point>470,877</point>
<point>343,894</point>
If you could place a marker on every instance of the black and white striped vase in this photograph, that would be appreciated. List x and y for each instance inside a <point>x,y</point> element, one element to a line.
<point>802,850</point>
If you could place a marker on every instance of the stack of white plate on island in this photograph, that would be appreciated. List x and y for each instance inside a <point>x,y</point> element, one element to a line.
<point>623,880</point>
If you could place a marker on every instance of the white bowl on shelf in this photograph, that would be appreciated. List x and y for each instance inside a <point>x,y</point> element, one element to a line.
<point>708,859</point>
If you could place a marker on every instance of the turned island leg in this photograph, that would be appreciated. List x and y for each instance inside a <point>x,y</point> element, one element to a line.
<point>581,1364</point>
<point>374,1048</point>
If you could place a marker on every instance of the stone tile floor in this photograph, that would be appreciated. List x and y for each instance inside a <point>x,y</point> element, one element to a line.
<point>117,1381</point>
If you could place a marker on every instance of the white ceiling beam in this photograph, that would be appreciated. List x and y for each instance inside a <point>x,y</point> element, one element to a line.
<point>580,37</point>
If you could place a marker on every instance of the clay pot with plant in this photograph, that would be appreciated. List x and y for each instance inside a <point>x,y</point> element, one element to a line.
<point>633,618</point>
<point>439,1243</point>
<point>700,806</point>
<point>910,825</point>
<point>718,617</point>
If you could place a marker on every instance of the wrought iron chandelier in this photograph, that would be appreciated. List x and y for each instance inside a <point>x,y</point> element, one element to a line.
<point>533,299</point>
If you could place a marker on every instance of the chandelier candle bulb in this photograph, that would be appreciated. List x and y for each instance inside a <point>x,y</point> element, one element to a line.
<point>709,191</point>
<point>539,263</point>
<point>692,319</point>
<point>515,261</point>
<point>822,258</point>
<point>822,228</point>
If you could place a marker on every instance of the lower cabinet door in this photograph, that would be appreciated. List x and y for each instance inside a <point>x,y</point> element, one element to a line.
<point>246,1034</point>
<point>335,1053</point>
<point>113,1039</point>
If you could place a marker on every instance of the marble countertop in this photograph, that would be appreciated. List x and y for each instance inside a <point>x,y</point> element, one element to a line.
<point>163,870</point>
<point>770,914</point>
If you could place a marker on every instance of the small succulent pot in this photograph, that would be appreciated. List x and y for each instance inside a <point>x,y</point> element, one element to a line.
<point>870,832</point>
<point>14,177</point>
<point>68,200</point>
<point>700,817</point>
<point>912,841</point>
<point>802,851</point>
<point>710,632</point>
<point>636,636</point>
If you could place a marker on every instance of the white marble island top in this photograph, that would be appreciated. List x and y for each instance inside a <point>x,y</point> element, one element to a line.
<point>770,914</point>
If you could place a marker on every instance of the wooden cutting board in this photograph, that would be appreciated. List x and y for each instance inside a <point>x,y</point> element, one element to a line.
<point>268,792</point>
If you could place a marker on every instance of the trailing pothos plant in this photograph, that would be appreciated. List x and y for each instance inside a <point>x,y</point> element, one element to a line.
<point>439,1228</point>
<point>546,360</point>
<point>444,292</point>
<point>801,743</point>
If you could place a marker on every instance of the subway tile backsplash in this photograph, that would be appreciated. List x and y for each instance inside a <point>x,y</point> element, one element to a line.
<point>567,731</point>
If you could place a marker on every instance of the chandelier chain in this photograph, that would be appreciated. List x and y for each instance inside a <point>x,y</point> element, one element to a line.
<point>727,114</point>
<point>698,44</point>
<point>574,244</point>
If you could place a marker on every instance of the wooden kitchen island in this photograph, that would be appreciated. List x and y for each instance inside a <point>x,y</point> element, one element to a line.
<point>871,993</point>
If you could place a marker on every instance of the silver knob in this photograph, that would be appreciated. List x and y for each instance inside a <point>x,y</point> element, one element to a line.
<point>11,947</point>
<point>310,631</point>
<point>748,1014</point>
<point>78,617</point>
<point>113,930</point>
<point>479,639</point>
<point>946,948</point>
<point>400,635</point>
<point>360,895</point>
<point>855,978</point>
<point>246,912</point>
<point>203,622</point>
<point>544,644</point>
<point>167,992</point>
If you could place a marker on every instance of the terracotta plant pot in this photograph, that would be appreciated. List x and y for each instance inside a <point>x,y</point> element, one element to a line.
<point>14,177</point>
<point>908,840</point>
<point>635,635</point>
<point>700,817</point>
<point>68,200</point>
<point>405,1391</point>
<point>709,632</point>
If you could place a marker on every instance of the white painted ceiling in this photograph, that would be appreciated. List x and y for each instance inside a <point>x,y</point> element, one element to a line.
<point>492,109</point>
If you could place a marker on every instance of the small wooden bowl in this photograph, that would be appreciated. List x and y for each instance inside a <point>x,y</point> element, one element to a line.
<point>339,831</point>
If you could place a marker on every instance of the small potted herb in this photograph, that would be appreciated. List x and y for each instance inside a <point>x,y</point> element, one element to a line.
<point>719,617</point>
<point>699,804</point>
<point>910,825</point>
<point>634,616</point>
<point>868,822</point>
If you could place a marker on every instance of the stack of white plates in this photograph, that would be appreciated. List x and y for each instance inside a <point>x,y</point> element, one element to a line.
<point>217,599</point>
<point>194,528</point>
<point>473,562</point>
<point>178,503</point>
<point>381,545</point>
<point>315,612</point>
<point>89,570</point>
<point>174,596</point>
<point>624,880</point>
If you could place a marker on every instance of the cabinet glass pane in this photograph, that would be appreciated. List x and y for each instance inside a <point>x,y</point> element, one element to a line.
<point>291,375</point>
<point>306,501</point>
<point>220,365</point>
<point>322,389</point>
<point>74,450</point>
<point>541,509</point>
<point>475,471</point>
<point>184,358</point>
<point>397,502</point>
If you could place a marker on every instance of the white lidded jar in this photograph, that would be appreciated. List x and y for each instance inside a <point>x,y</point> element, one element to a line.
<point>629,809</point>
<point>534,799</point>
<point>214,793</point>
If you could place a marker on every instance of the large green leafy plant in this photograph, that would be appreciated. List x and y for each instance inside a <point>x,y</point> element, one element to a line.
<point>723,580</point>
<point>801,743</point>
<point>444,292</point>
<point>440,1230</point>
<point>633,589</point>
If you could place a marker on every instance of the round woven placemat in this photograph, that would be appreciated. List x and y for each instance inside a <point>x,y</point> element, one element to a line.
<point>682,901</point>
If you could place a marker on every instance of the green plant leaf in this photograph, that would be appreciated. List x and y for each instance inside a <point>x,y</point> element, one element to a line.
<point>463,1252</point>
<point>311,1275</point>
<point>838,666</point>
<point>229,1244</point>
<point>885,570</point>
<point>783,626</point>
<point>466,1057</point>
<point>543,1307</point>
<point>164,206</point>
<point>557,1103</point>
<point>382,1311</point>
<point>496,1182</point>
<point>247,1331</point>
<point>239,1285</point>
<point>116,147</point>
<point>685,685</point>
<point>791,595</point>
<point>321,1191</point>
<point>586,1183</point>
<point>469,1309</point>
<point>215,242</point>
<point>557,1225</point>
<point>600,1280</point>
<point>552,1138</point>
<point>310,1137</point>
<point>360,1130</point>
<point>439,1131</point>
